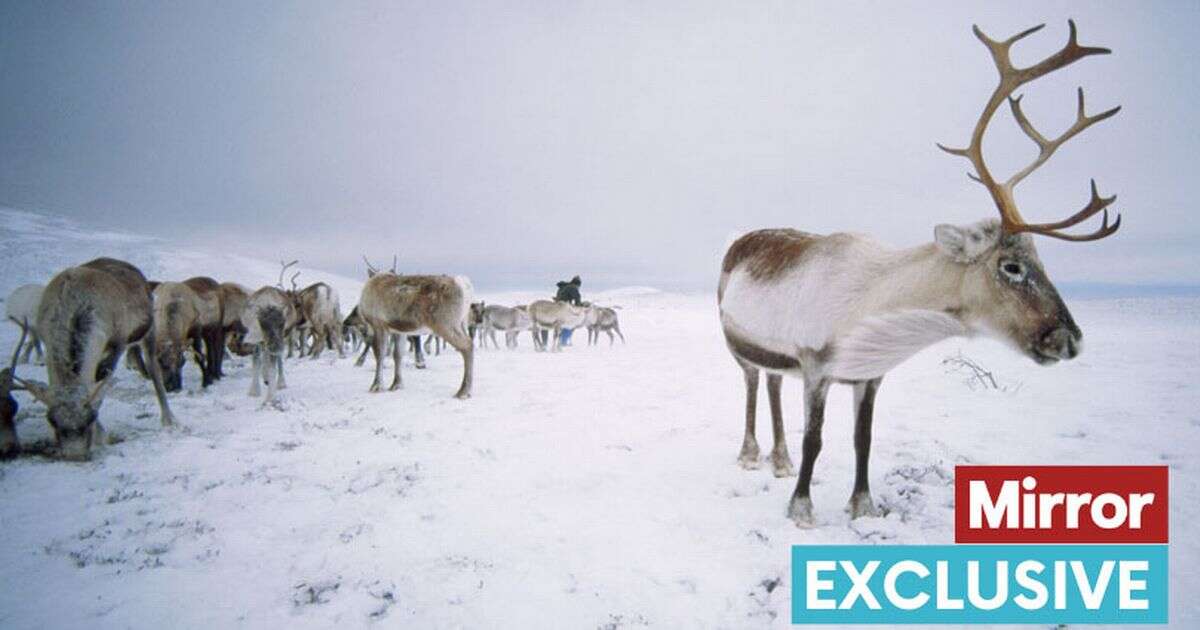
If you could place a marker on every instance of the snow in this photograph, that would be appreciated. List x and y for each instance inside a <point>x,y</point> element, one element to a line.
<point>593,488</point>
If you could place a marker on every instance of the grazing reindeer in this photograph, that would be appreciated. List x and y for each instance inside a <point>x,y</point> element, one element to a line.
<point>21,308</point>
<point>510,321</point>
<point>554,317</point>
<point>602,319</point>
<point>210,325</point>
<point>269,318</point>
<point>844,309</point>
<point>416,305</point>
<point>89,314</point>
<point>9,444</point>
<point>178,324</point>
<point>318,308</point>
<point>233,301</point>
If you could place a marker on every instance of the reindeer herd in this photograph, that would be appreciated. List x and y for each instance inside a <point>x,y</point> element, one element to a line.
<point>828,309</point>
<point>88,316</point>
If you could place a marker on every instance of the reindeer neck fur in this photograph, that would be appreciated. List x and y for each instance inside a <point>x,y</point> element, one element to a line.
<point>859,305</point>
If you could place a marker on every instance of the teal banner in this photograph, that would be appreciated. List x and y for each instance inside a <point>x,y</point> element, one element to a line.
<point>967,584</point>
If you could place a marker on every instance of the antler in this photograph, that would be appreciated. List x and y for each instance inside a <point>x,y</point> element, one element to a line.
<point>8,375</point>
<point>1012,78</point>
<point>283,268</point>
<point>293,280</point>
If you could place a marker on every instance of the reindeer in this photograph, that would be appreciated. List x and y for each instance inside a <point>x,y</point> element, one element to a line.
<point>269,318</point>
<point>414,305</point>
<point>475,322</point>
<point>21,309</point>
<point>233,301</point>
<point>88,316</point>
<point>602,319</point>
<point>179,324</point>
<point>211,325</point>
<point>10,446</point>
<point>508,320</point>
<point>549,315</point>
<point>318,308</point>
<point>845,309</point>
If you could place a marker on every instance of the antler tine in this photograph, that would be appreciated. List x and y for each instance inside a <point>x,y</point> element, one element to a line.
<point>1046,148</point>
<point>395,261</point>
<point>283,269</point>
<point>370,267</point>
<point>1095,204</point>
<point>293,280</point>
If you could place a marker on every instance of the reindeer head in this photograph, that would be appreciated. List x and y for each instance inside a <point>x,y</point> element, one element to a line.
<point>1006,290</point>
<point>476,315</point>
<point>71,412</point>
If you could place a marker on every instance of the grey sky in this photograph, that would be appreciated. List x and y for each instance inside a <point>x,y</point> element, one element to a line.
<point>626,141</point>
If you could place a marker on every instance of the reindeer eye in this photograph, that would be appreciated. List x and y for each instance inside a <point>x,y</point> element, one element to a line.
<point>1014,270</point>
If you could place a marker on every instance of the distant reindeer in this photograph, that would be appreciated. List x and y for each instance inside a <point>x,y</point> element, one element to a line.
<point>21,308</point>
<point>415,305</point>
<point>475,322</point>
<point>211,325</point>
<point>269,318</point>
<point>10,446</point>
<point>845,309</point>
<point>318,308</point>
<point>177,330</point>
<point>356,327</point>
<point>602,319</point>
<point>88,316</point>
<point>552,316</point>
<point>233,301</point>
<point>510,321</point>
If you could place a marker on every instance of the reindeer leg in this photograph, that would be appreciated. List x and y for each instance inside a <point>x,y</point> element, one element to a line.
<point>419,350</point>
<point>30,341</point>
<point>279,366</point>
<point>864,404</point>
<point>160,392</point>
<point>459,340</point>
<point>362,358</point>
<point>256,373</point>
<point>781,462</point>
<point>617,327</point>
<point>380,338</point>
<point>396,360</point>
<point>748,458</point>
<point>273,364</point>
<point>815,391</point>
<point>134,359</point>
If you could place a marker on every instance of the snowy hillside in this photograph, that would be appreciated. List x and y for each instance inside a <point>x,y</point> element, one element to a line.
<point>596,488</point>
<point>33,247</point>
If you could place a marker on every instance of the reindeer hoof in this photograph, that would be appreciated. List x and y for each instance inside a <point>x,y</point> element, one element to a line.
<point>800,511</point>
<point>375,389</point>
<point>395,386</point>
<point>781,465</point>
<point>748,458</point>
<point>862,505</point>
<point>463,395</point>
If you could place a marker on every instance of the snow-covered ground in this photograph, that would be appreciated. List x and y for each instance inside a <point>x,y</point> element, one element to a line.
<point>592,488</point>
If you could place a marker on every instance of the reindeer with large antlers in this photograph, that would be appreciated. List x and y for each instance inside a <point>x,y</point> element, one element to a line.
<point>845,309</point>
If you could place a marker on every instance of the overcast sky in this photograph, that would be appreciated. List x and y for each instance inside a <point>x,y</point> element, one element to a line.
<point>628,142</point>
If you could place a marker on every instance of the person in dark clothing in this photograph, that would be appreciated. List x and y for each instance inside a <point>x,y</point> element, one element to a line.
<point>568,291</point>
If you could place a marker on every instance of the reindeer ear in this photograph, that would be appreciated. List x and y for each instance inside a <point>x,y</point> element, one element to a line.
<point>39,390</point>
<point>964,243</point>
